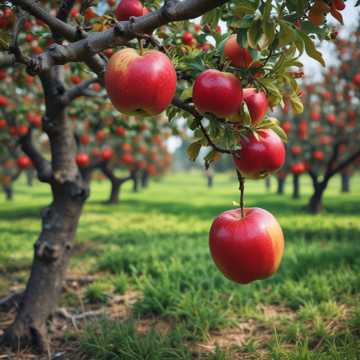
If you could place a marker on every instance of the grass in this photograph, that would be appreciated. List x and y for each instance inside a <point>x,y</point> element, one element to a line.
<point>155,242</point>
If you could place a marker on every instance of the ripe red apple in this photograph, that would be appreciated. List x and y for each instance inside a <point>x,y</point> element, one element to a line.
<point>119,130</point>
<point>331,118</point>
<point>258,158</point>
<point>23,162</point>
<point>22,130</point>
<point>315,115</point>
<point>356,79</point>
<point>155,72</point>
<point>129,8</point>
<point>127,159</point>
<point>34,119</point>
<point>257,104</point>
<point>296,150</point>
<point>4,101</point>
<point>298,168</point>
<point>82,159</point>
<point>84,139</point>
<point>219,93</point>
<point>237,55</point>
<point>107,154</point>
<point>286,126</point>
<point>318,155</point>
<point>249,248</point>
<point>3,123</point>
<point>187,38</point>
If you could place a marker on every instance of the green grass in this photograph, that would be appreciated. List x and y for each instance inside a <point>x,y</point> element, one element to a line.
<point>157,242</point>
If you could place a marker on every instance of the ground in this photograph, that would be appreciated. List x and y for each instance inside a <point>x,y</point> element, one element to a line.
<point>142,284</point>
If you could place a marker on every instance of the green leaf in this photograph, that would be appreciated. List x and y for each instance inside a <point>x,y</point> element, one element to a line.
<point>280,132</point>
<point>193,150</point>
<point>296,104</point>
<point>310,48</point>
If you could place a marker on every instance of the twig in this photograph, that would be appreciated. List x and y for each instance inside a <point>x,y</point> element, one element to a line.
<point>241,188</point>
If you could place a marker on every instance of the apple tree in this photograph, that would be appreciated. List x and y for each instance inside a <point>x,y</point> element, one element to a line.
<point>221,79</point>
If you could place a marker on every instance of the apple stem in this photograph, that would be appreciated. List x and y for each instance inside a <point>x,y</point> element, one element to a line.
<point>241,188</point>
<point>141,48</point>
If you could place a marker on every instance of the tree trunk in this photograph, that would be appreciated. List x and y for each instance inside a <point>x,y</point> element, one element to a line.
<point>115,192</point>
<point>29,177</point>
<point>210,181</point>
<point>145,179</point>
<point>345,182</point>
<point>315,204</point>
<point>51,256</point>
<point>8,191</point>
<point>267,183</point>
<point>135,179</point>
<point>296,186</point>
<point>59,223</point>
<point>281,185</point>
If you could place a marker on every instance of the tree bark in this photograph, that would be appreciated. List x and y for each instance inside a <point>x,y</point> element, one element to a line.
<point>8,191</point>
<point>281,185</point>
<point>296,186</point>
<point>345,182</point>
<point>315,204</point>
<point>115,192</point>
<point>29,177</point>
<point>144,179</point>
<point>135,179</point>
<point>267,183</point>
<point>60,219</point>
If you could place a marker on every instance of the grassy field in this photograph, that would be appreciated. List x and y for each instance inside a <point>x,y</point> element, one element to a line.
<point>164,298</point>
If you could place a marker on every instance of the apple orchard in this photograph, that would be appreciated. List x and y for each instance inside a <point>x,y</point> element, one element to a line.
<point>86,87</point>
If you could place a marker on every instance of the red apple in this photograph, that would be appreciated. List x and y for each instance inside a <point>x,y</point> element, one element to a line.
<point>129,8</point>
<point>356,79</point>
<point>3,123</point>
<point>107,154</point>
<point>257,104</point>
<point>238,56</point>
<point>23,162</point>
<point>298,168</point>
<point>260,157</point>
<point>125,72</point>
<point>4,101</point>
<point>84,139</point>
<point>331,118</point>
<point>187,38</point>
<point>22,130</point>
<point>296,150</point>
<point>218,93</point>
<point>315,115</point>
<point>286,126</point>
<point>82,159</point>
<point>127,159</point>
<point>249,248</point>
<point>119,130</point>
<point>318,155</point>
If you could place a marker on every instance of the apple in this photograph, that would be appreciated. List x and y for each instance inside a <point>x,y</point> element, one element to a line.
<point>4,101</point>
<point>238,56</point>
<point>260,157</point>
<point>23,162</point>
<point>286,126</point>
<point>127,159</point>
<point>315,115</point>
<point>34,119</point>
<point>107,154</point>
<point>331,118</point>
<point>3,123</point>
<point>100,135</point>
<point>119,130</point>
<point>298,168</point>
<point>246,248</point>
<point>257,104</point>
<point>22,130</point>
<point>318,155</point>
<point>219,93</point>
<point>84,139</point>
<point>82,159</point>
<point>296,150</point>
<point>153,70</point>
<point>128,8</point>
<point>187,38</point>
<point>356,79</point>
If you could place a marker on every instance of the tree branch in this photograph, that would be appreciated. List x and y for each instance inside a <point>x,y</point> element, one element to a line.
<point>191,110</point>
<point>121,34</point>
<point>344,164</point>
<point>7,60</point>
<point>77,91</point>
<point>42,166</point>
